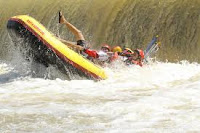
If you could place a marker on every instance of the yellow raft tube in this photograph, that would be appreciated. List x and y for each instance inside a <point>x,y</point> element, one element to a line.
<point>23,23</point>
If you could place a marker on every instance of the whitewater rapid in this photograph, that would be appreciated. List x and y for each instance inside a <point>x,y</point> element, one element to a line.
<point>160,97</point>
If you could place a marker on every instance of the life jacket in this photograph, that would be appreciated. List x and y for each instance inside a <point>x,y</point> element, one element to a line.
<point>101,56</point>
<point>91,53</point>
<point>130,61</point>
<point>137,63</point>
<point>114,56</point>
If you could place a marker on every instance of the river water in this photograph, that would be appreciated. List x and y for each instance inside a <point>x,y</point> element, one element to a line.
<point>160,97</point>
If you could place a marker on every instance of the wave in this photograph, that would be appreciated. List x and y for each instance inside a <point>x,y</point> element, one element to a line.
<point>128,23</point>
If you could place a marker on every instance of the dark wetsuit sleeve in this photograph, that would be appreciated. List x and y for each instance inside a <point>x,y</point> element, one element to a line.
<point>81,43</point>
<point>91,53</point>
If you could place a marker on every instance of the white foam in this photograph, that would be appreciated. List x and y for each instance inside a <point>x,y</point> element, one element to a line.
<point>161,97</point>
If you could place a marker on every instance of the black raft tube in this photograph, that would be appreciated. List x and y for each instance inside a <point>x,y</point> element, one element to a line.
<point>35,48</point>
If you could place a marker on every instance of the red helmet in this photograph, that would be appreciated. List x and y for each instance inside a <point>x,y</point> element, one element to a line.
<point>141,53</point>
<point>106,46</point>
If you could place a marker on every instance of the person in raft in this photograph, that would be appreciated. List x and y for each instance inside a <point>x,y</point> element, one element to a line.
<point>100,57</point>
<point>81,43</point>
<point>133,57</point>
<point>104,55</point>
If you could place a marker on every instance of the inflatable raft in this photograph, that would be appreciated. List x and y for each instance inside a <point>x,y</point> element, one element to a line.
<point>45,48</point>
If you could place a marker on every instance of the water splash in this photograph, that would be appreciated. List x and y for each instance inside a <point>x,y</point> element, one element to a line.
<point>129,23</point>
<point>158,97</point>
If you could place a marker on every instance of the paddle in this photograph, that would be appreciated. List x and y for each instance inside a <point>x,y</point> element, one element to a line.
<point>152,47</point>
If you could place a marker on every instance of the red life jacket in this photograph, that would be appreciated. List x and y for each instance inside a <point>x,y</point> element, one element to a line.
<point>91,53</point>
<point>114,56</point>
<point>137,63</point>
<point>94,54</point>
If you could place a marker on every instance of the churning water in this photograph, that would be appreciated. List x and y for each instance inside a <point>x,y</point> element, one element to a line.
<point>161,97</point>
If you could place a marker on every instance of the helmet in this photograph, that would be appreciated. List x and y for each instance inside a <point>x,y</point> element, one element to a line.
<point>128,50</point>
<point>106,46</point>
<point>141,53</point>
<point>117,49</point>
